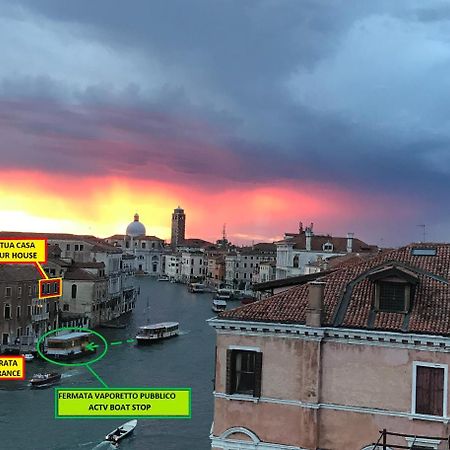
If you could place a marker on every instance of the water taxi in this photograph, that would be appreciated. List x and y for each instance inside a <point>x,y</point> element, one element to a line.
<point>224,294</point>
<point>69,345</point>
<point>45,379</point>
<point>219,305</point>
<point>157,331</point>
<point>197,287</point>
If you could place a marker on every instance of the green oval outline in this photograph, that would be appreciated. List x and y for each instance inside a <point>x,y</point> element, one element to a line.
<point>41,354</point>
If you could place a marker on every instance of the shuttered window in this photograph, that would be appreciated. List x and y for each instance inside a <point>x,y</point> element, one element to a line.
<point>244,369</point>
<point>429,390</point>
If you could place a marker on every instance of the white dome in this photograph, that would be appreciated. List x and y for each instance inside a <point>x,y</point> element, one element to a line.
<point>135,228</point>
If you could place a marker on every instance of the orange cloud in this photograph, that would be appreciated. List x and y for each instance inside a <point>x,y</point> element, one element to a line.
<point>40,201</point>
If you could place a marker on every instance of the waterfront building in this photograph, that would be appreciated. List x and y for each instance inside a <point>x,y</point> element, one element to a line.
<point>266,272</point>
<point>327,364</point>
<point>147,250</point>
<point>78,250</point>
<point>193,266</point>
<point>298,253</point>
<point>173,266</point>
<point>215,272</point>
<point>242,264</point>
<point>22,315</point>
<point>178,227</point>
<point>84,301</point>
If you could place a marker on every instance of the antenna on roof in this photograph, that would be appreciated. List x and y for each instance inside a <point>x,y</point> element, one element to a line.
<point>424,231</point>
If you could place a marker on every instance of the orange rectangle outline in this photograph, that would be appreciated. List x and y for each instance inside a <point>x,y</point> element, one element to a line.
<point>23,367</point>
<point>49,280</point>
<point>27,239</point>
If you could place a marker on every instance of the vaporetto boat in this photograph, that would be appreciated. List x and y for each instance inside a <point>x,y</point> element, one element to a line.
<point>156,332</point>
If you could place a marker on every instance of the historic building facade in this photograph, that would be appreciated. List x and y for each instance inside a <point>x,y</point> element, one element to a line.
<point>328,364</point>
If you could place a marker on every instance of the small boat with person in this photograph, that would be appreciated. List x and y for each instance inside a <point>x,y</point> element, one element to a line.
<point>45,379</point>
<point>121,432</point>
<point>219,305</point>
<point>156,332</point>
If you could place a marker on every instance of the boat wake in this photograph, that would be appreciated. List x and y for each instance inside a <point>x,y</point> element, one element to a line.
<point>102,446</point>
<point>183,332</point>
<point>70,374</point>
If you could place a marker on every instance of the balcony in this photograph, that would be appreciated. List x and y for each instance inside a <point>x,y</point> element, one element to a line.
<point>39,317</point>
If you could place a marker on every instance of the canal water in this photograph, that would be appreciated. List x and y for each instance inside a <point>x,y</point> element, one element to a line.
<point>27,416</point>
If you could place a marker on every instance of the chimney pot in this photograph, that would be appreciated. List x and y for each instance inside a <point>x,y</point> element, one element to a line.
<point>315,304</point>
<point>350,242</point>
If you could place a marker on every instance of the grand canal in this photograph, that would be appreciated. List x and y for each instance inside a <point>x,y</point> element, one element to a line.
<point>27,416</point>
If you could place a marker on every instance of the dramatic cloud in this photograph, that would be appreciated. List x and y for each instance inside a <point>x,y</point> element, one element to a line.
<point>229,95</point>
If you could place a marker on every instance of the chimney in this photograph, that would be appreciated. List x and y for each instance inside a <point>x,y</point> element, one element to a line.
<point>308,236</point>
<point>350,242</point>
<point>315,304</point>
<point>300,228</point>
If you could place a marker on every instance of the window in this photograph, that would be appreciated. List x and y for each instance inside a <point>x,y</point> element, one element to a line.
<point>429,389</point>
<point>65,307</point>
<point>81,246</point>
<point>295,261</point>
<point>28,310</point>
<point>74,291</point>
<point>8,291</point>
<point>18,312</point>
<point>68,247</point>
<point>76,247</point>
<point>244,369</point>
<point>143,244</point>
<point>392,297</point>
<point>327,247</point>
<point>19,292</point>
<point>7,311</point>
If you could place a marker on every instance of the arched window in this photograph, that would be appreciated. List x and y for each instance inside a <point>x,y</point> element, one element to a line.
<point>74,291</point>
<point>295,262</point>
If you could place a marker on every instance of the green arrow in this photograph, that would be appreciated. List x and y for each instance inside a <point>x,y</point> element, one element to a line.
<point>91,346</point>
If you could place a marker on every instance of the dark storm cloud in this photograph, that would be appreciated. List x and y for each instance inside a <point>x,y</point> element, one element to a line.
<point>347,92</point>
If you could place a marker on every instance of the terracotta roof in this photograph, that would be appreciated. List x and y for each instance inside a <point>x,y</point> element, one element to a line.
<point>99,245</point>
<point>89,265</point>
<point>289,281</point>
<point>80,274</point>
<point>18,272</point>
<point>194,242</point>
<point>349,293</point>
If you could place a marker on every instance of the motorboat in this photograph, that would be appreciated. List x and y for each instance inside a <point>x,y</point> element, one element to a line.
<point>45,379</point>
<point>219,305</point>
<point>121,432</point>
<point>224,294</point>
<point>28,357</point>
<point>163,278</point>
<point>157,331</point>
<point>197,288</point>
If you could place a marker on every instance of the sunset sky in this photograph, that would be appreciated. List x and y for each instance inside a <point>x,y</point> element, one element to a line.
<point>258,114</point>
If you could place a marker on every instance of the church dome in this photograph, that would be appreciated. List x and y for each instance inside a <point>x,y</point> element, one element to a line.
<point>135,228</point>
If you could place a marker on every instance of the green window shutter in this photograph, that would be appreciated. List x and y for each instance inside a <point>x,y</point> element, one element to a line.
<point>258,374</point>
<point>229,373</point>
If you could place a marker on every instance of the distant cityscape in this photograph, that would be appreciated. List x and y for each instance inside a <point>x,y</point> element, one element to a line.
<point>98,274</point>
<point>333,333</point>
